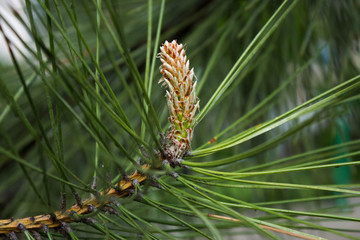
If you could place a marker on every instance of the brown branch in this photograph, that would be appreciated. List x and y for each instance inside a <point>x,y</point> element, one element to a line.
<point>121,189</point>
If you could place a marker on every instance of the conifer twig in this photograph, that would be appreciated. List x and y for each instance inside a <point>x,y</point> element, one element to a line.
<point>122,189</point>
<point>182,103</point>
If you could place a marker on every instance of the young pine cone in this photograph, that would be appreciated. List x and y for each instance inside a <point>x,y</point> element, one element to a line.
<point>181,97</point>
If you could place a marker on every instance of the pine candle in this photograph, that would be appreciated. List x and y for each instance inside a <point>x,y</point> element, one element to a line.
<point>180,95</point>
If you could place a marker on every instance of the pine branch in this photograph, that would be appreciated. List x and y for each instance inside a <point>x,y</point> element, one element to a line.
<point>183,104</point>
<point>76,213</point>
